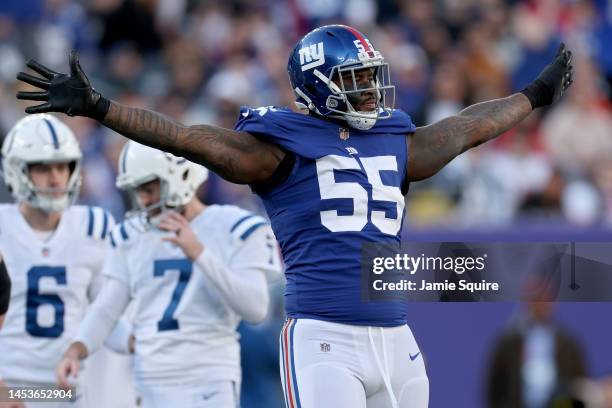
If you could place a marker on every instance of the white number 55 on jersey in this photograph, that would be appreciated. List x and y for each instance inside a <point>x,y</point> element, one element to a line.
<point>331,189</point>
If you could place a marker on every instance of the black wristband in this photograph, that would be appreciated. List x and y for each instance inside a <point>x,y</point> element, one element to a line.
<point>538,94</point>
<point>100,109</point>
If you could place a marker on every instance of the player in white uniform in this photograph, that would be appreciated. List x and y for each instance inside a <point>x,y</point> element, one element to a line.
<point>53,251</point>
<point>192,272</point>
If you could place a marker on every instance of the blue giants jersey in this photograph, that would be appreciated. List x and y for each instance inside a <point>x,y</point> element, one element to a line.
<point>344,191</point>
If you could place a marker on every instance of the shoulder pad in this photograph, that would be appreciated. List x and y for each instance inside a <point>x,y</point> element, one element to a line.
<point>125,232</point>
<point>242,227</point>
<point>265,120</point>
<point>99,223</point>
<point>287,129</point>
<point>399,122</point>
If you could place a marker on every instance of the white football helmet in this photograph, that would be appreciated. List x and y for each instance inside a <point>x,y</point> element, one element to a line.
<point>179,178</point>
<point>40,138</point>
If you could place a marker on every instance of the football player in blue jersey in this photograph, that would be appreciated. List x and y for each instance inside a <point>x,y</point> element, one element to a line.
<point>331,180</point>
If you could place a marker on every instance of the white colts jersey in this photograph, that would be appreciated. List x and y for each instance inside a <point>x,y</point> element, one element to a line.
<point>184,330</point>
<point>52,284</point>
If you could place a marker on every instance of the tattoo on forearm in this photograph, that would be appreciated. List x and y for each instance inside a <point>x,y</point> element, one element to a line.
<point>491,119</point>
<point>478,123</point>
<point>144,126</point>
<point>435,145</point>
<point>231,154</point>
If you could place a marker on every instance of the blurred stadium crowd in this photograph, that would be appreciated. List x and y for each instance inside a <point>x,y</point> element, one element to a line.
<point>198,61</point>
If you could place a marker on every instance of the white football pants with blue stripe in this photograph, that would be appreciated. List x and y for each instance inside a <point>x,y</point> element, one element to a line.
<point>331,365</point>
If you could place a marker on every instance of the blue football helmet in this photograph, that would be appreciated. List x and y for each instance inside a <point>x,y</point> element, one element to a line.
<point>323,66</point>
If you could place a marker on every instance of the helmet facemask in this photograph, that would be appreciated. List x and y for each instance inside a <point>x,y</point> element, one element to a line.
<point>344,96</point>
<point>152,213</point>
<point>43,198</point>
<point>350,93</point>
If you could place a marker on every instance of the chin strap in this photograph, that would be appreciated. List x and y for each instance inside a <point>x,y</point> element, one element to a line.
<point>361,122</point>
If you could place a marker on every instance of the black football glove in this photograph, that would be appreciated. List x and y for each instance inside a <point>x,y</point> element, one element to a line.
<point>72,94</point>
<point>553,81</point>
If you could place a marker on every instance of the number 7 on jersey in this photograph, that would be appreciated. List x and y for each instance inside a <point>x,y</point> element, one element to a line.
<point>184,267</point>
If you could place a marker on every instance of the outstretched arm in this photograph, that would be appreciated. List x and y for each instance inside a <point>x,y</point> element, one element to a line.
<point>432,147</point>
<point>236,156</point>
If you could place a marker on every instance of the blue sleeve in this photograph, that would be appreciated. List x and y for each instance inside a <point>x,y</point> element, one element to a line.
<point>262,121</point>
<point>276,125</point>
<point>400,122</point>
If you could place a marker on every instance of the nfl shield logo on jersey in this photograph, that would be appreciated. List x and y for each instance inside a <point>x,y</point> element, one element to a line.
<point>344,133</point>
<point>325,347</point>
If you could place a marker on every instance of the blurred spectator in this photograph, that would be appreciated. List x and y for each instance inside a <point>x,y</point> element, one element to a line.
<point>486,77</point>
<point>535,363</point>
<point>199,61</point>
<point>449,92</point>
<point>579,131</point>
<point>595,393</point>
<point>603,180</point>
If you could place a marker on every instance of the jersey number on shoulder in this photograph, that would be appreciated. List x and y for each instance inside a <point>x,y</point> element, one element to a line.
<point>35,299</point>
<point>184,268</point>
<point>331,189</point>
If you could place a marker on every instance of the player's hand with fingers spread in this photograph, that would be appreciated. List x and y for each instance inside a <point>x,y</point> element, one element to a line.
<point>553,81</point>
<point>71,94</point>
<point>183,236</point>
<point>70,364</point>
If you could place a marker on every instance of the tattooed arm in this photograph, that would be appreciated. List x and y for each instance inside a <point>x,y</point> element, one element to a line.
<point>236,156</point>
<point>432,147</point>
<point>242,158</point>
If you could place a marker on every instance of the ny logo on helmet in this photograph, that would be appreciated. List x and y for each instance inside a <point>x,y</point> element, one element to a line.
<point>312,56</point>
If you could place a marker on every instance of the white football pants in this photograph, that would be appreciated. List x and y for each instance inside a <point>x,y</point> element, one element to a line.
<point>219,394</point>
<point>332,365</point>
